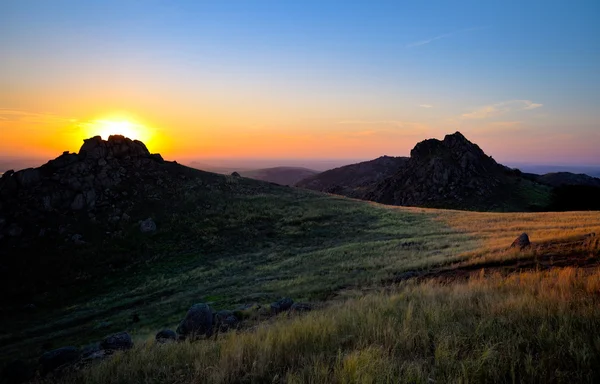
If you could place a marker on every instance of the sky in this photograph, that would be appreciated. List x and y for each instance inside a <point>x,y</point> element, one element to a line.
<point>302,79</point>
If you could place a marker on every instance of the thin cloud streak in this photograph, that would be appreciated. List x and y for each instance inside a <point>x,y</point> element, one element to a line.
<point>502,108</point>
<point>425,106</point>
<point>445,35</point>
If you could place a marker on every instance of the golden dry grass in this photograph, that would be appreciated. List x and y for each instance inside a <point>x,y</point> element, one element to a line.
<point>528,327</point>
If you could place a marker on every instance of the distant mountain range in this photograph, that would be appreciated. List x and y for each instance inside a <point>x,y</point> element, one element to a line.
<point>280,175</point>
<point>449,173</point>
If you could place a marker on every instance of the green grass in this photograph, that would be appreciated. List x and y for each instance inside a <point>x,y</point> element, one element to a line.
<point>530,327</point>
<point>226,242</point>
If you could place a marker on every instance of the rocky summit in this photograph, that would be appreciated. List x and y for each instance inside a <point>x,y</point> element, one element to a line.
<point>442,173</point>
<point>96,180</point>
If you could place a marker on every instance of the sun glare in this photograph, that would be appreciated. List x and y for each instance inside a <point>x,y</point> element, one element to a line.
<point>105,128</point>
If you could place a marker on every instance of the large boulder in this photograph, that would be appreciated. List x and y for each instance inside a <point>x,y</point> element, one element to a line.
<point>59,358</point>
<point>165,336</point>
<point>117,342</point>
<point>198,321</point>
<point>521,242</point>
<point>147,226</point>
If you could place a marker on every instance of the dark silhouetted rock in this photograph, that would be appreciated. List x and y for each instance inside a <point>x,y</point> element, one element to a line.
<point>521,242</point>
<point>235,174</point>
<point>116,342</point>
<point>282,305</point>
<point>148,226</point>
<point>59,358</point>
<point>198,321</point>
<point>165,336</point>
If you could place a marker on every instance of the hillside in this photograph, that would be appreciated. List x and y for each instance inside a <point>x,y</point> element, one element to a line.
<point>353,180</point>
<point>280,175</point>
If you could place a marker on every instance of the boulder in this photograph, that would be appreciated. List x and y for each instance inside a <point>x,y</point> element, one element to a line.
<point>165,336</point>
<point>521,242</point>
<point>235,174</point>
<point>28,177</point>
<point>147,226</point>
<point>58,358</point>
<point>118,341</point>
<point>198,321</point>
<point>301,307</point>
<point>282,305</point>
<point>14,230</point>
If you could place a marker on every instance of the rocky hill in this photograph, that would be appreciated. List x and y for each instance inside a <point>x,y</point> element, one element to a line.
<point>355,179</point>
<point>280,175</point>
<point>448,173</point>
<point>80,215</point>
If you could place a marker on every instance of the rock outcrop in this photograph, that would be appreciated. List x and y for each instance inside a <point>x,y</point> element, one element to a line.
<point>446,172</point>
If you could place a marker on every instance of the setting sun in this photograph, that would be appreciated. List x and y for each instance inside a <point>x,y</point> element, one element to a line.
<point>106,128</point>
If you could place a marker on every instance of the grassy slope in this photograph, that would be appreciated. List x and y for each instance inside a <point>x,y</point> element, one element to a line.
<point>536,326</point>
<point>228,241</point>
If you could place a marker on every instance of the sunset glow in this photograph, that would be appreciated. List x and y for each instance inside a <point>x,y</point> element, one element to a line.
<point>106,128</point>
<point>373,80</point>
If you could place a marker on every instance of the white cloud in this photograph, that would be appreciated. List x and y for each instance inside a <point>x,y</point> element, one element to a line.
<point>502,108</point>
<point>425,106</point>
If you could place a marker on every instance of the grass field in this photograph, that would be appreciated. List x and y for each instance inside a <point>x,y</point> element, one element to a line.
<point>244,241</point>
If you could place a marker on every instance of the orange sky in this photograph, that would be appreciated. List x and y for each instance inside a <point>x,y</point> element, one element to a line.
<point>281,80</point>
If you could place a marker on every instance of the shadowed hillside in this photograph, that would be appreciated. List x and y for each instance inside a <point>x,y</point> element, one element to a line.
<point>353,180</point>
<point>280,175</point>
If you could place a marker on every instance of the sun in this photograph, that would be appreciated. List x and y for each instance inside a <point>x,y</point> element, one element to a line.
<point>106,128</point>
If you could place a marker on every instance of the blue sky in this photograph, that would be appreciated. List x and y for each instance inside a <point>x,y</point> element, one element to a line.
<point>509,74</point>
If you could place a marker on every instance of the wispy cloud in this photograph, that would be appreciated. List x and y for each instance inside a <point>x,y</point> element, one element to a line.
<point>425,106</point>
<point>498,109</point>
<point>443,36</point>
<point>13,115</point>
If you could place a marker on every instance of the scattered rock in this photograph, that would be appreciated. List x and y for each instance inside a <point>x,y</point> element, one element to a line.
<point>59,358</point>
<point>301,307</point>
<point>165,336</point>
<point>521,242</point>
<point>198,321</point>
<point>282,305</point>
<point>77,239</point>
<point>116,342</point>
<point>147,226</point>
